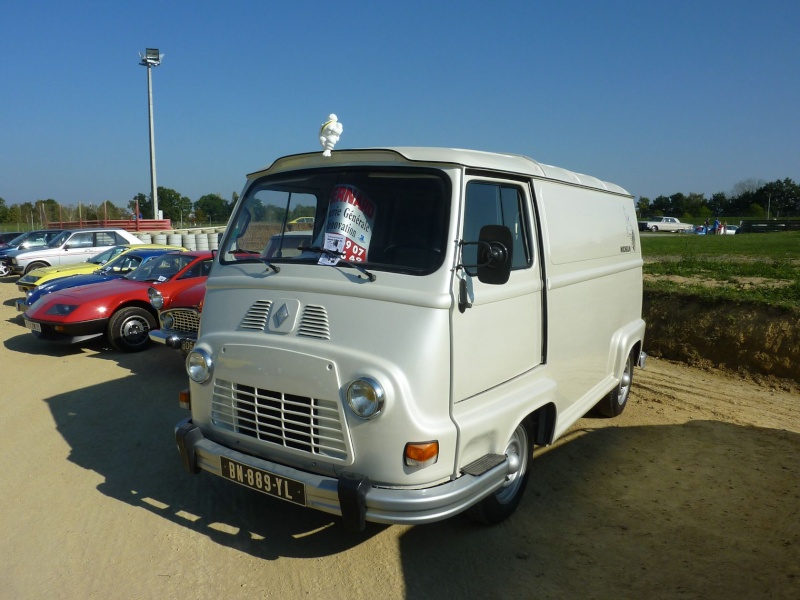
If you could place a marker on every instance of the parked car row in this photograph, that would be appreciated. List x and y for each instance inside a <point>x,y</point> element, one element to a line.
<point>132,293</point>
<point>87,283</point>
<point>705,230</point>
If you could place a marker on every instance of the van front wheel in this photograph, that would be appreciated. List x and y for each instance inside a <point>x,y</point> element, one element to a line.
<point>616,400</point>
<point>504,501</point>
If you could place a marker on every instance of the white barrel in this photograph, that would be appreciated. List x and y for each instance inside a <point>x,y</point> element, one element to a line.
<point>201,241</point>
<point>174,239</point>
<point>146,238</point>
<point>187,241</point>
<point>159,238</point>
<point>213,241</point>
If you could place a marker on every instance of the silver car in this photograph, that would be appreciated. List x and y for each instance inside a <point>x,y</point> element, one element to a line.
<point>69,247</point>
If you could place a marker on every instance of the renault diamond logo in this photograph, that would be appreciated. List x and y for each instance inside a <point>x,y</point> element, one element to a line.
<point>280,316</point>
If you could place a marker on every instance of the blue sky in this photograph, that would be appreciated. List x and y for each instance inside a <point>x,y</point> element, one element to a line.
<point>658,97</point>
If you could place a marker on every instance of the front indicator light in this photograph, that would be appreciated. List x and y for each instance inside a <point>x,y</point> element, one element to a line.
<point>421,454</point>
<point>365,397</point>
<point>185,399</point>
<point>199,366</point>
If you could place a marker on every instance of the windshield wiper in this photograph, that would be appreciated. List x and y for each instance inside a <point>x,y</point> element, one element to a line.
<point>275,268</point>
<point>340,256</point>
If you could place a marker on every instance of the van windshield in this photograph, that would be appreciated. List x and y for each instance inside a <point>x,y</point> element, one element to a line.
<point>392,220</point>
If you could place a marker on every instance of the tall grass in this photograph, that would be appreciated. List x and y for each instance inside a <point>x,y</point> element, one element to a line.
<point>759,268</point>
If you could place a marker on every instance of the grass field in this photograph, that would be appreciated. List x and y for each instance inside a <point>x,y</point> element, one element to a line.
<point>757,268</point>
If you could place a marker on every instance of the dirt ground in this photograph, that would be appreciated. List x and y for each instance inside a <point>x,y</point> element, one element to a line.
<point>694,492</point>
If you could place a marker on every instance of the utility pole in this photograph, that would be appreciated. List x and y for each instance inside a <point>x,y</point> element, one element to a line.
<point>151,58</point>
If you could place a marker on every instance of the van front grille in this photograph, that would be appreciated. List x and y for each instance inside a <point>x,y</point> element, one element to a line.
<point>256,318</point>
<point>313,321</point>
<point>304,425</point>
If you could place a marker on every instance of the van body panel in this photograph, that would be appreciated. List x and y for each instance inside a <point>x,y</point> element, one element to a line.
<point>359,341</point>
<point>390,293</point>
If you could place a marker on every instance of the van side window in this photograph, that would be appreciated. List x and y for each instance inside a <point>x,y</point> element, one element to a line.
<point>495,204</point>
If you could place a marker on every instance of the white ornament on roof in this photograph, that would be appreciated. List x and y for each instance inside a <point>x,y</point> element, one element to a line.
<point>329,134</point>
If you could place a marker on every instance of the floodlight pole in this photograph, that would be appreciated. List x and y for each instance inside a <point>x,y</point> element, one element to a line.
<point>151,58</point>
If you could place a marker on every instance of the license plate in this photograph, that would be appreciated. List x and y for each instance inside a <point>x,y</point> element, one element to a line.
<point>33,326</point>
<point>263,481</point>
<point>187,345</point>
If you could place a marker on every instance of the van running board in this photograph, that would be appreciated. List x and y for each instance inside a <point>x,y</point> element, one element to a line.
<point>483,464</point>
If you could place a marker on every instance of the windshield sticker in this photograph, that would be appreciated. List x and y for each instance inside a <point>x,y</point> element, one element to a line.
<point>335,243</point>
<point>352,214</point>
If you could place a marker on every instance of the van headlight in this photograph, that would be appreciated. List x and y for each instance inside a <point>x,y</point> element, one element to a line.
<point>199,365</point>
<point>365,397</point>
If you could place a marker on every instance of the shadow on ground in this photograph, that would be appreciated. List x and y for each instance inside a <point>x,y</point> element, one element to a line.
<point>703,510</point>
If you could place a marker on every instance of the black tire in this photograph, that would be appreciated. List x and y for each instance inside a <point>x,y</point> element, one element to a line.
<point>35,265</point>
<point>654,229</point>
<point>617,399</point>
<point>504,501</point>
<point>128,329</point>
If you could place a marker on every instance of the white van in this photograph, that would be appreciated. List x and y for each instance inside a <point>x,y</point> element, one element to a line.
<point>455,309</point>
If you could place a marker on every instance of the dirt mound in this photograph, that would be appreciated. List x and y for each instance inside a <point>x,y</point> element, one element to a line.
<point>750,339</point>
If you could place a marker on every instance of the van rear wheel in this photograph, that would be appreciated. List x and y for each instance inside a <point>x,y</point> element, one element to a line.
<point>616,400</point>
<point>504,501</point>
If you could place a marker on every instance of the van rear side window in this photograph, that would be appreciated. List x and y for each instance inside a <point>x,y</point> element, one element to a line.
<point>489,203</point>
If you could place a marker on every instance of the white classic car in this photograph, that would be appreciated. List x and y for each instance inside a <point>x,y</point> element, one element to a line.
<point>664,224</point>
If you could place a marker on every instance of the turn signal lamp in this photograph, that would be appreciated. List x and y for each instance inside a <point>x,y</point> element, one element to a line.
<point>185,399</point>
<point>421,454</point>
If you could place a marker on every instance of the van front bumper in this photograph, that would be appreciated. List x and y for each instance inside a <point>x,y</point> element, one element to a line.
<point>352,495</point>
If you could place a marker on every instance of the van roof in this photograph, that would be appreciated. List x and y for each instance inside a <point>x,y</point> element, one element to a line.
<point>478,159</point>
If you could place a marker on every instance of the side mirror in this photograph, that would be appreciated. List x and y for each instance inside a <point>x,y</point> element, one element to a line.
<point>495,245</point>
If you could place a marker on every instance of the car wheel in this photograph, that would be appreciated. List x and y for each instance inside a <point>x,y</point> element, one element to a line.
<point>504,501</point>
<point>35,265</point>
<point>615,401</point>
<point>4,269</point>
<point>128,329</point>
<point>654,228</point>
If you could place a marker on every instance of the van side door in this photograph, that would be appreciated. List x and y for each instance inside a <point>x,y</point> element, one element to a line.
<point>498,335</point>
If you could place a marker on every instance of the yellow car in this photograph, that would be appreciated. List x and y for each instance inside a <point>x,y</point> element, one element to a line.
<point>40,276</point>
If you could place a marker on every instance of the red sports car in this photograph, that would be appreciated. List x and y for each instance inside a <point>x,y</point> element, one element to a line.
<point>120,308</point>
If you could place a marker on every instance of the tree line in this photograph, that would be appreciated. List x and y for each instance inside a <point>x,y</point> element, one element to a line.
<point>779,199</point>
<point>752,198</point>
<point>211,208</point>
